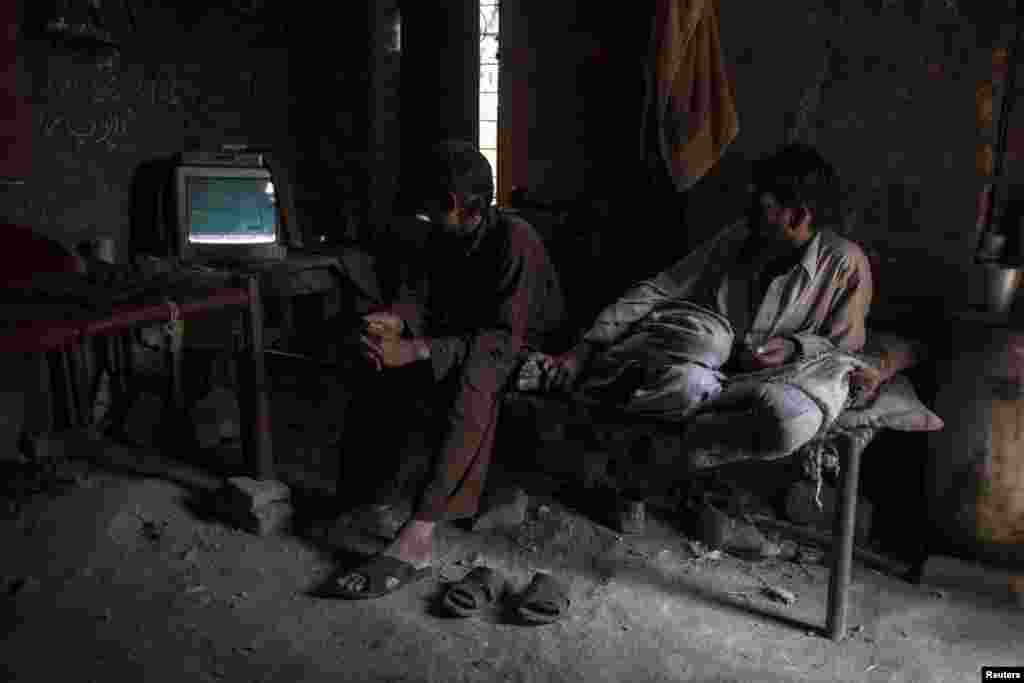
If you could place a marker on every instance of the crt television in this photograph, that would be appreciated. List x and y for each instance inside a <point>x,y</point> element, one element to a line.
<point>227,214</point>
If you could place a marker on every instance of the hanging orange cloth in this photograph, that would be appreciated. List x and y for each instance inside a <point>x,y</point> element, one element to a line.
<point>694,112</point>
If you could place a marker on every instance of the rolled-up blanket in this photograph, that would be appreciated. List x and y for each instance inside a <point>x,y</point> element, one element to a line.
<point>823,377</point>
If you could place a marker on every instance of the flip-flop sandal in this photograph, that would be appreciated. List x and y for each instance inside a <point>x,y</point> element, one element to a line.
<point>477,590</point>
<point>377,570</point>
<point>545,600</point>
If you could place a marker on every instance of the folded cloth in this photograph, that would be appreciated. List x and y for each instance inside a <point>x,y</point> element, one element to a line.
<point>895,407</point>
<point>693,103</point>
<point>672,356</point>
<point>674,334</point>
<point>823,377</point>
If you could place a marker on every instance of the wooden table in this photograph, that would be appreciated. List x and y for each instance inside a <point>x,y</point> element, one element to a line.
<point>36,325</point>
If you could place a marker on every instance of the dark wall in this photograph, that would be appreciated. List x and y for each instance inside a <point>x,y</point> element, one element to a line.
<point>183,79</point>
<point>440,76</point>
<point>346,116</point>
<point>385,130</point>
<point>366,102</point>
<point>571,88</point>
<point>886,89</point>
<point>888,93</point>
<point>330,79</point>
<point>326,90</point>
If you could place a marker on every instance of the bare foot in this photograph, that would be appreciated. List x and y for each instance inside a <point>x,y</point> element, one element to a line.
<point>414,544</point>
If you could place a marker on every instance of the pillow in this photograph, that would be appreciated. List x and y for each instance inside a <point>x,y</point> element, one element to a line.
<point>896,407</point>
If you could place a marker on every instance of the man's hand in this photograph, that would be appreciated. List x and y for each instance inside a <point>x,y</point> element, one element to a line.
<point>772,353</point>
<point>384,324</point>
<point>392,352</point>
<point>563,371</point>
<point>866,382</point>
<point>381,344</point>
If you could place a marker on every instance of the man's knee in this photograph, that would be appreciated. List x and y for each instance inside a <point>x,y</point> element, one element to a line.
<point>679,390</point>
<point>790,419</point>
<point>697,384</point>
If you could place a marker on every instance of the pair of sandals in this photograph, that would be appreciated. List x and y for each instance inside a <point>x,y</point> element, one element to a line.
<point>545,599</point>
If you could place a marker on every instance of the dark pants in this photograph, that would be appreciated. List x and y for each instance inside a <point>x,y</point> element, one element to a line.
<point>382,416</point>
<point>445,477</point>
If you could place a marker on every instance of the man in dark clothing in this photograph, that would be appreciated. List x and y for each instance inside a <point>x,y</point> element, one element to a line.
<point>490,294</point>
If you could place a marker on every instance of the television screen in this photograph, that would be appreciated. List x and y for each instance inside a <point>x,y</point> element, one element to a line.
<point>231,210</point>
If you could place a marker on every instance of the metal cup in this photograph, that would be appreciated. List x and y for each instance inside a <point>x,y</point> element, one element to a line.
<point>105,249</point>
<point>1000,287</point>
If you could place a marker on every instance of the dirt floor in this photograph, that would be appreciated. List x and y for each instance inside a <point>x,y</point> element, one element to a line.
<point>125,575</point>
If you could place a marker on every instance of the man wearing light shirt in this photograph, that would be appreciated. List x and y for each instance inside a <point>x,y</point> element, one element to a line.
<point>767,291</point>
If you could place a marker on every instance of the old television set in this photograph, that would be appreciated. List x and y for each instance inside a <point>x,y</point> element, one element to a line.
<point>227,214</point>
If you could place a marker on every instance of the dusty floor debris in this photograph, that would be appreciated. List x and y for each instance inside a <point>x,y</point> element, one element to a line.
<point>136,578</point>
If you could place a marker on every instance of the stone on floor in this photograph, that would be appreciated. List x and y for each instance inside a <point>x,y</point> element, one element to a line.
<point>505,509</point>
<point>261,507</point>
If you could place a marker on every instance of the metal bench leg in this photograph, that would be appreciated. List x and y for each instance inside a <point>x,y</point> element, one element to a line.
<point>844,527</point>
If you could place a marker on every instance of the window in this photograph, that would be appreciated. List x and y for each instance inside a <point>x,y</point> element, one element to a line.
<point>488,116</point>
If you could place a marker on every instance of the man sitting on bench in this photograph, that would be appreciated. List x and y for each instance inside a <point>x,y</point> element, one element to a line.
<point>491,294</point>
<point>769,291</point>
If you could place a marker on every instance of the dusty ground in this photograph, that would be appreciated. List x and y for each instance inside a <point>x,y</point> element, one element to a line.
<point>124,576</point>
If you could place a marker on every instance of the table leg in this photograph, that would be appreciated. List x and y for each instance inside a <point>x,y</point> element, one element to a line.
<point>67,377</point>
<point>177,390</point>
<point>120,367</point>
<point>259,445</point>
<point>112,363</point>
<point>80,377</point>
<point>287,321</point>
<point>844,527</point>
<point>113,368</point>
<point>45,383</point>
<point>124,349</point>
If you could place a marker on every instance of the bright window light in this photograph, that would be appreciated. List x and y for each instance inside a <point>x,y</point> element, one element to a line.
<point>488,103</point>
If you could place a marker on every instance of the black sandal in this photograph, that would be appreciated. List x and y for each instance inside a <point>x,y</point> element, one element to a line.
<point>377,570</point>
<point>481,588</point>
<point>545,600</point>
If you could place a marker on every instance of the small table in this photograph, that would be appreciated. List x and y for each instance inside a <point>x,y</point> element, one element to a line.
<point>65,327</point>
<point>296,275</point>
